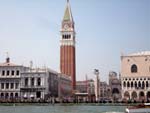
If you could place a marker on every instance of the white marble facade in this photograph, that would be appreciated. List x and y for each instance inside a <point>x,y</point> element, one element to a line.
<point>135,76</point>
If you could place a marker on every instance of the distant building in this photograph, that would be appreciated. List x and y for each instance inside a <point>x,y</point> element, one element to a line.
<point>33,85</point>
<point>86,86</point>
<point>85,90</point>
<point>135,76</point>
<point>115,85</point>
<point>23,83</point>
<point>10,75</point>
<point>53,83</point>
<point>81,86</point>
<point>39,84</point>
<point>91,88</point>
<point>64,86</point>
<point>105,91</point>
<point>45,83</point>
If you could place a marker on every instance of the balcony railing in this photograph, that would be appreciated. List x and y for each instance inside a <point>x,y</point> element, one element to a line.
<point>136,88</point>
<point>35,86</point>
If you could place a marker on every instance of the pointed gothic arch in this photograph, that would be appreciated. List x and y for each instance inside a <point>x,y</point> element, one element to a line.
<point>141,96</point>
<point>148,96</point>
<point>147,84</point>
<point>128,84</point>
<point>139,84</point>
<point>127,95</point>
<point>124,84</point>
<point>134,68</point>
<point>132,84</point>
<point>143,85</point>
<point>115,91</point>
<point>134,95</point>
<point>135,84</point>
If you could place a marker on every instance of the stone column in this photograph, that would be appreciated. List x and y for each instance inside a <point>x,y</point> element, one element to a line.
<point>29,81</point>
<point>122,93</point>
<point>35,82</point>
<point>133,85</point>
<point>97,85</point>
<point>41,81</point>
<point>4,85</point>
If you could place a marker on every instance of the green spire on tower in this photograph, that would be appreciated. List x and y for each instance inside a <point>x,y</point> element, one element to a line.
<point>68,13</point>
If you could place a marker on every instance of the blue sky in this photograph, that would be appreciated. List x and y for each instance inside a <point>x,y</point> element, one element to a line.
<point>30,30</point>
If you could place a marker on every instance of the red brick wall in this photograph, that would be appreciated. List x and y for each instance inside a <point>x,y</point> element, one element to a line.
<point>68,63</point>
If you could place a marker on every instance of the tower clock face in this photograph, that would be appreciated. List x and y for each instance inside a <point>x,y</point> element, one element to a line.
<point>66,26</point>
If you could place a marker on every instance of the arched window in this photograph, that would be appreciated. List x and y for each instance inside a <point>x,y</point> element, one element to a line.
<point>11,95</point>
<point>143,85</point>
<point>16,95</point>
<point>69,36</point>
<point>131,84</point>
<point>133,68</point>
<point>63,36</point>
<point>139,84</point>
<point>124,84</point>
<point>141,94</point>
<point>147,84</point>
<point>26,81</point>
<point>126,94</point>
<point>6,95</point>
<point>134,95</point>
<point>128,84</point>
<point>32,81</point>
<point>38,81</point>
<point>2,95</point>
<point>135,84</point>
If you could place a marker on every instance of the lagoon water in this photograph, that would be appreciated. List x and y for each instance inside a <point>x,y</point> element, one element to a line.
<point>62,109</point>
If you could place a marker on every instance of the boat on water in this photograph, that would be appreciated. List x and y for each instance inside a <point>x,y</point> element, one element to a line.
<point>142,108</point>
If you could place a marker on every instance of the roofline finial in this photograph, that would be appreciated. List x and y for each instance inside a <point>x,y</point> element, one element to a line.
<point>7,57</point>
<point>7,54</point>
<point>67,1</point>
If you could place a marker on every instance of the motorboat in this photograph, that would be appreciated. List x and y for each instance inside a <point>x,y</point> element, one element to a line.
<point>141,108</point>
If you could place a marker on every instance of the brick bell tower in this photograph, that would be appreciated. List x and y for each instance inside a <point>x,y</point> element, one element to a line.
<point>67,48</point>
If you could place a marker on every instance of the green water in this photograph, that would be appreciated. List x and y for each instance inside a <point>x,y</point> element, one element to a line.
<point>61,109</point>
